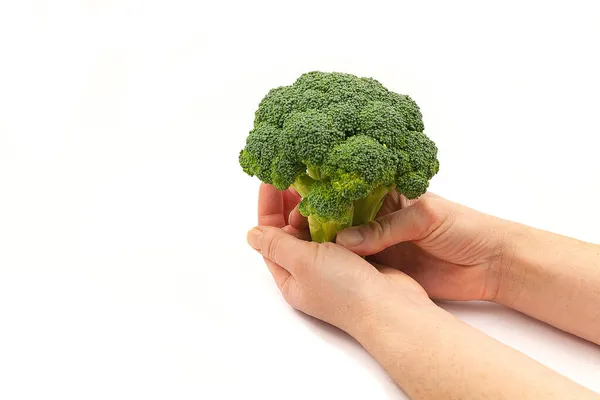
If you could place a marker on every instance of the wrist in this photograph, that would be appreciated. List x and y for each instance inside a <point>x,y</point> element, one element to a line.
<point>395,316</point>
<point>506,270</point>
<point>405,341</point>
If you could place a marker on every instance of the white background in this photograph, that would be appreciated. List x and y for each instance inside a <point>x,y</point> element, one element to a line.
<point>124,271</point>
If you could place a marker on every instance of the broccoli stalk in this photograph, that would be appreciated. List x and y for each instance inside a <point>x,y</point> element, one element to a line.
<point>343,143</point>
<point>360,212</point>
<point>321,229</point>
<point>366,209</point>
<point>325,231</point>
<point>302,184</point>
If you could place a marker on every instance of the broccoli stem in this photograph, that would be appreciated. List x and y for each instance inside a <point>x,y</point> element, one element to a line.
<point>325,231</point>
<point>320,231</point>
<point>302,184</point>
<point>314,172</point>
<point>366,209</point>
<point>363,210</point>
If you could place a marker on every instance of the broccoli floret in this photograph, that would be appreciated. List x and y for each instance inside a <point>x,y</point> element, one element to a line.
<point>343,143</point>
<point>327,211</point>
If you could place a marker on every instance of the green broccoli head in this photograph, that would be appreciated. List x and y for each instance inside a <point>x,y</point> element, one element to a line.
<point>358,165</point>
<point>343,142</point>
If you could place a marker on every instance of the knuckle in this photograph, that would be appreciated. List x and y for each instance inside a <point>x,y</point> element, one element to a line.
<point>327,247</point>
<point>382,228</point>
<point>431,211</point>
<point>435,216</point>
<point>320,256</point>
<point>269,248</point>
<point>426,207</point>
<point>315,257</point>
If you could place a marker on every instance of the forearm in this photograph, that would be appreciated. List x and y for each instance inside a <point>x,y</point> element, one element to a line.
<point>553,278</point>
<point>432,355</point>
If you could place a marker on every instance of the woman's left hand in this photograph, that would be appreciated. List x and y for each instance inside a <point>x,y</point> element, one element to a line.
<point>326,280</point>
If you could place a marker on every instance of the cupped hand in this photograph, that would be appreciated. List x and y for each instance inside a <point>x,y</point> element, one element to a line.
<point>325,280</point>
<point>454,252</point>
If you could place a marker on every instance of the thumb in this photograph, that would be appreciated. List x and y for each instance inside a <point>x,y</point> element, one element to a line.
<point>414,222</point>
<point>280,247</point>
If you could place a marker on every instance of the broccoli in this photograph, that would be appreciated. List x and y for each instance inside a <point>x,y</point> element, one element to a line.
<point>343,143</point>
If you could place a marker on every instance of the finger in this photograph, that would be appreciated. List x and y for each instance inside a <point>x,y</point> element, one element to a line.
<point>404,202</point>
<point>270,206</point>
<point>392,273</point>
<point>290,201</point>
<point>390,204</point>
<point>409,224</point>
<point>383,268</point>
<point>280,247</point>
<point>298,220</point>
<point>302,234</point>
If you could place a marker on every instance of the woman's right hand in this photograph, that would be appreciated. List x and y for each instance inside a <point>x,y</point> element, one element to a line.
<point>454,252</point>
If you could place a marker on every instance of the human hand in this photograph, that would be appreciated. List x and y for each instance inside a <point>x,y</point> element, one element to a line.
<point>325,280</point>
<point>454,252</point>
<point>390,315</point>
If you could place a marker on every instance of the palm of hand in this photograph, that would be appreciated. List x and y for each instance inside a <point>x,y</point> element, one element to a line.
<point>456,261</point>
<point>324,279</point>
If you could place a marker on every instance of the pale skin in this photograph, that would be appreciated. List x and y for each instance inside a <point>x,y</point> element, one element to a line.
<point>378,281</point>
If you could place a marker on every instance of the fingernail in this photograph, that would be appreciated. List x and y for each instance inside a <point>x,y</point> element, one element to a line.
<point>253,238</point>
<point>350,237</point>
